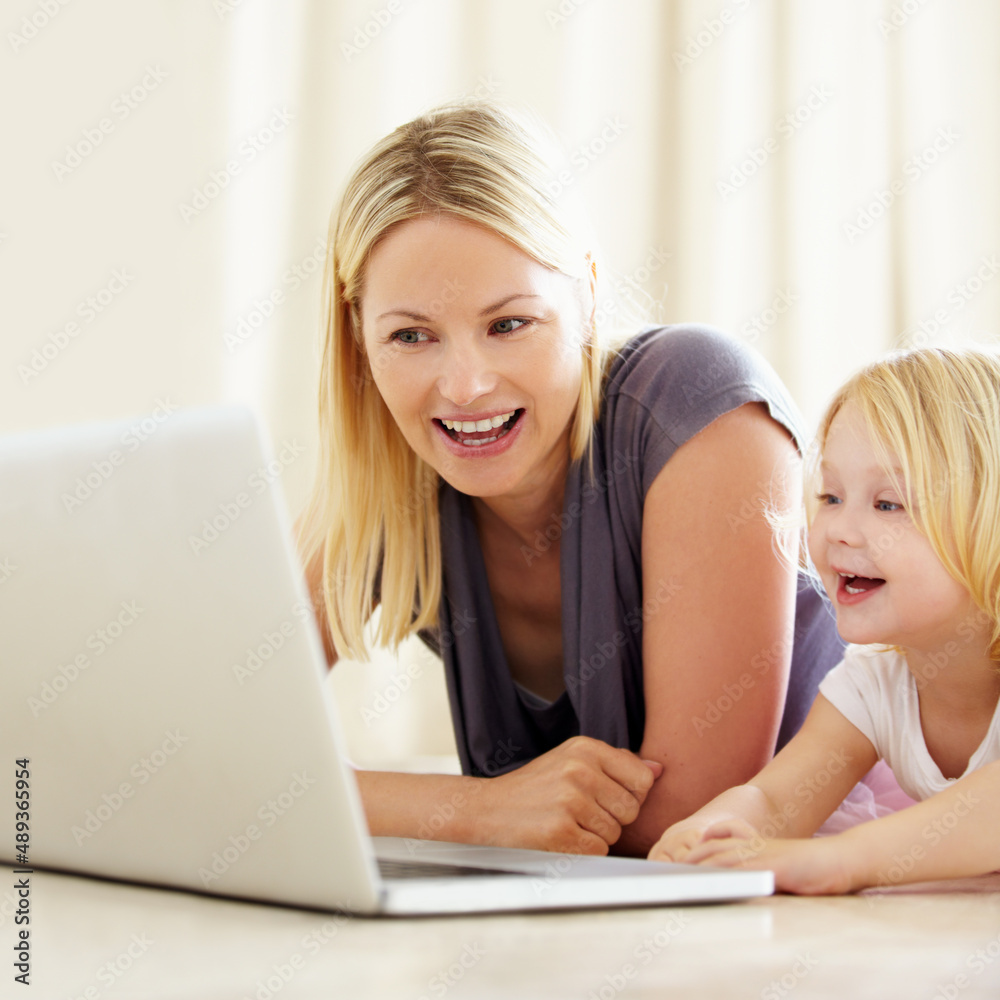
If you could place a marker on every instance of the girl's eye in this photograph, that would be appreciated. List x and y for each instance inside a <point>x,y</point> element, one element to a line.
<point>827,499</point>
<point>408,337</point>
<point>887,506</point>
<point>503,326</point>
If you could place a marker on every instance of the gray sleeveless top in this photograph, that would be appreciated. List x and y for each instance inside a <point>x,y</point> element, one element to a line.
<point>666,384</point>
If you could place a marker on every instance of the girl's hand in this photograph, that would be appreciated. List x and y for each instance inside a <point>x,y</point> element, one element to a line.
<point>811,867</point>
<point>574,799</point>
<point>676,844</point>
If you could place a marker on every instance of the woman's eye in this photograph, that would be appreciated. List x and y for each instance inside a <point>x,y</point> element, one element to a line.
<point>887,506</point>
<point>408,336</point>
<point>503,326</point>
<point>827,499</point>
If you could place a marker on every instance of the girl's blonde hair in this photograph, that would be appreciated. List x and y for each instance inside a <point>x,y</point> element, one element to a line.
<point>934,417</point>
<point>372,519</point>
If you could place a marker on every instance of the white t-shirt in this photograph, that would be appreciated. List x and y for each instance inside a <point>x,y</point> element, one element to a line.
<point>876,692</point>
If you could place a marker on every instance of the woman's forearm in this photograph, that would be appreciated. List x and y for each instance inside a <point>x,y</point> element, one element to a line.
<point>574,798</point>
<point>423,806</point>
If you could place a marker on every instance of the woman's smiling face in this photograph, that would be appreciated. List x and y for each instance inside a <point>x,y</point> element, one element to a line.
<point>476,349</point>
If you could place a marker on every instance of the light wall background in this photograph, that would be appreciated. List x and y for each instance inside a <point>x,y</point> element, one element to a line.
<point>819,179</point>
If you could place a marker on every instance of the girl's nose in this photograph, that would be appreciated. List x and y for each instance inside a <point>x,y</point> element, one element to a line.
<point>844,527</point>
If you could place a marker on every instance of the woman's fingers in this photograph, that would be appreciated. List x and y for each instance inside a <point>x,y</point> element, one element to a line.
<point>577,797</point>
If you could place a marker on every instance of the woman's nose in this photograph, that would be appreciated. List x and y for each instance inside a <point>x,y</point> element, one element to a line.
<point>466,374</point>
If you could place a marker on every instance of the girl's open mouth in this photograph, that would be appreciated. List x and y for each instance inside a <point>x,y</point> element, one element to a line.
<point>852,586</point>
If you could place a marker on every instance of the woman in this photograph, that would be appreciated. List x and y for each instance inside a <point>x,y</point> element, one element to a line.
<point>585,535</point>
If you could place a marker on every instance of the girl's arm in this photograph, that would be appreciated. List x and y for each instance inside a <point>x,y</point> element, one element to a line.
<point>790,797</point>
<point>950,835</point>
<point>717,649</point>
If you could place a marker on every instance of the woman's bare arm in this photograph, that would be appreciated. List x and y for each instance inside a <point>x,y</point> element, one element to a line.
<point>576,798</point>
<point>717,647</point>
<point>790,797</point>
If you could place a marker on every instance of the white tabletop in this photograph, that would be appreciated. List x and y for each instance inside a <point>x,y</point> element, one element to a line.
<point>118,941</point>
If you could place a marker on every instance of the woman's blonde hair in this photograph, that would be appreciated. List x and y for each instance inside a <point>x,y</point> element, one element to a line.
<point>372,519</point>
<point>934,418</point>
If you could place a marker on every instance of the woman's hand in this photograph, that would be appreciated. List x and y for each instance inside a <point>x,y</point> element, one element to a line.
<point>574,799</point>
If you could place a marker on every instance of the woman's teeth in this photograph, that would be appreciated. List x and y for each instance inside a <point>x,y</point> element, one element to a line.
<point>471,426</point>
<point>459,430</point>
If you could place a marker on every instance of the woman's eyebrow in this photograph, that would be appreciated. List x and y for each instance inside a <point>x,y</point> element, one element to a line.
<point>510,298</point>
<point>420,317</point>
<point>493,307</point>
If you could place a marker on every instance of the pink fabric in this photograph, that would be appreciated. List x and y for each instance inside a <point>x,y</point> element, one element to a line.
<point>876,795</point>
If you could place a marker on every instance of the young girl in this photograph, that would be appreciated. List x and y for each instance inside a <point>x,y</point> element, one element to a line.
<point>906,539</point>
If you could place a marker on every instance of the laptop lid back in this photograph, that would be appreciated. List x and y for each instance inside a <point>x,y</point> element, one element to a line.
<point>152,620</point>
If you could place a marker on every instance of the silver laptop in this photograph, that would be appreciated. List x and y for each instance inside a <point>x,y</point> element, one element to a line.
<point>163,689</point>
